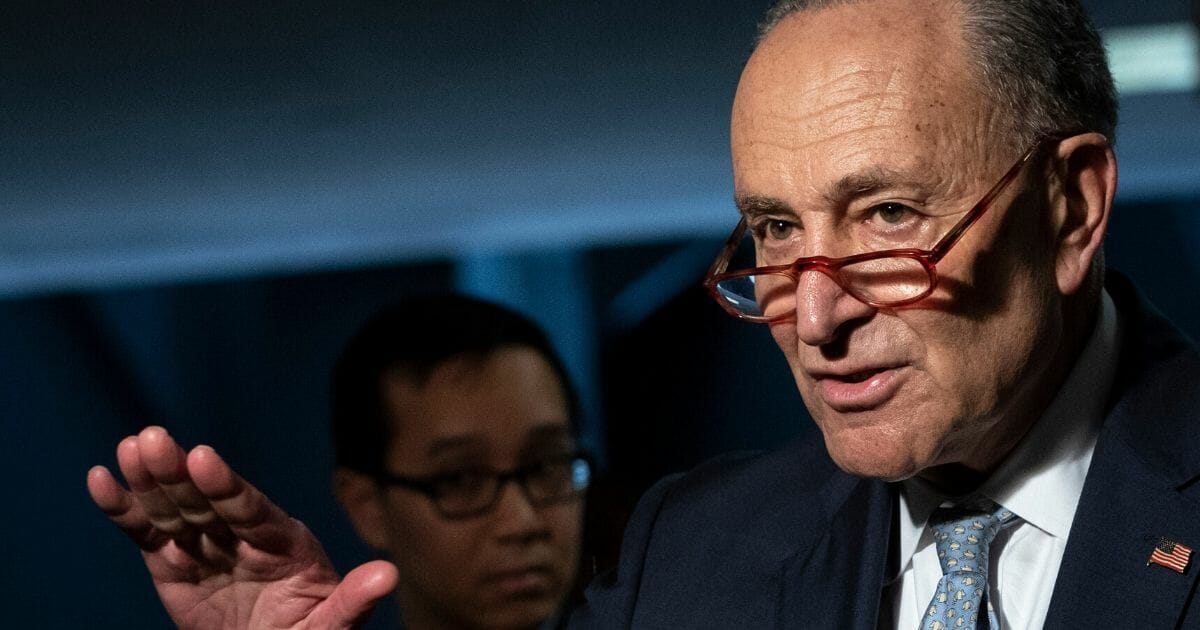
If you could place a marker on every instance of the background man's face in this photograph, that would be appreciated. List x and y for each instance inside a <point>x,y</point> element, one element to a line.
<point>513,566</point>
<point>838,113</point>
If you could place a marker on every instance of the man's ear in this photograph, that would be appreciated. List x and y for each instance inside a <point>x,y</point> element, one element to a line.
<point>1087,171</point>
<point>359,496</point>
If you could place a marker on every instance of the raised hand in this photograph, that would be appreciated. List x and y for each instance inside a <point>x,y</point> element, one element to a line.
<point>220,553</point>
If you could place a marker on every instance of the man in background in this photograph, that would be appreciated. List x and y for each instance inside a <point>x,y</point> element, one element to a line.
<point>454,428</point>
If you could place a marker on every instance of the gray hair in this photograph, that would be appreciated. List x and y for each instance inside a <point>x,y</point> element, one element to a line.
<point>1041,61</point>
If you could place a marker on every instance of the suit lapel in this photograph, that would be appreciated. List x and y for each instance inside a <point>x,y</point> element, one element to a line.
<point>837,582</point>
<point>1104,580</point>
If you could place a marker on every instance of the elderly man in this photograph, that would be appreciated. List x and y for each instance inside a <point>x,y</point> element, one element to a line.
<point>1010,436</point>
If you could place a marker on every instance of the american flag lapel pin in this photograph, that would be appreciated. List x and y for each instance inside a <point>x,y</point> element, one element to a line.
<point>1170,554</point>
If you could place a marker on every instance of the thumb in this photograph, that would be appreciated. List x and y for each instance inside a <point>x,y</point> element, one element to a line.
<point>351,603</point>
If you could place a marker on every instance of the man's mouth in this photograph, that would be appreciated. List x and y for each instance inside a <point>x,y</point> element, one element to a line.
<point>858,377</point>
<point>861,390</point>
<point>535,580</point>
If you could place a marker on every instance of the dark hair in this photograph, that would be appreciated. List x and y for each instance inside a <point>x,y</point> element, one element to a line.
<point>1041,61</point>
<point>418,335</point>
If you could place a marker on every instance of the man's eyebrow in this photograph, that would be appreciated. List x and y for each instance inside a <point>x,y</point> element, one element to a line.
<point>859,184</point>
<point>754,205</point>
<point>847,188</point>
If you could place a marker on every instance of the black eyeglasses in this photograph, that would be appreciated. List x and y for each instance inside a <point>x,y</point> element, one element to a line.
<point>888,278</point>
<point>474,491</point>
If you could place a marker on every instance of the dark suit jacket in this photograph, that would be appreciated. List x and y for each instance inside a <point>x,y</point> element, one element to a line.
<point>786,540</point>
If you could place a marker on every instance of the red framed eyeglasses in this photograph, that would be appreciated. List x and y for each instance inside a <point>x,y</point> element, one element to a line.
<point>885,278</point>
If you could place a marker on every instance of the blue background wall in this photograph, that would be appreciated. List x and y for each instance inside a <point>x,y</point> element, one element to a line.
<point>200,201</point>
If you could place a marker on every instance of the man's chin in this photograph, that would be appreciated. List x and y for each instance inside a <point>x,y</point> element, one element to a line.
<point>530,615</point>
<point>881,473</point>
<point>864,461</point>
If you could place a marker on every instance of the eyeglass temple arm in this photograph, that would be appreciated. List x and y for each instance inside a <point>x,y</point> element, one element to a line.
<point>722,262</point>
<point>948,241</point>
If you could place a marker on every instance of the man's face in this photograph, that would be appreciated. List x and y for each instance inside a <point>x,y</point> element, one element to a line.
<point>860,128</point>
<point>510,567</point>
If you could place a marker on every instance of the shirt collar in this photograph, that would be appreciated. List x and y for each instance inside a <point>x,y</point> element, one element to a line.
<point>1041,480</point>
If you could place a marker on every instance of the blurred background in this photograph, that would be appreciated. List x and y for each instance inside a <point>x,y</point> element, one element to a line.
<point>199,202</point>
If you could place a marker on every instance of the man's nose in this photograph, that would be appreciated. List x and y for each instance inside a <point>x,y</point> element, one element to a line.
<point>823,308</point>
<point>516,517</point>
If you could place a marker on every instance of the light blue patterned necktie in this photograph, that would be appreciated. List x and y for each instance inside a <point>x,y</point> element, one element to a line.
<point>962,539</point>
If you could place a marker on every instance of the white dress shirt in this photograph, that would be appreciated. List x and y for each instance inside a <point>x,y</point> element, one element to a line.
<point>1040,481</point>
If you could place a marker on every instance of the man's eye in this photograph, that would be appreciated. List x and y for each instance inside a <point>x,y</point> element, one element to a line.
<point>775,230</point>
<point>892,213</point>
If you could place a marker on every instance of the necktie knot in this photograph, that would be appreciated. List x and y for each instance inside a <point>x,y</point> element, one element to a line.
<point>962,538</point>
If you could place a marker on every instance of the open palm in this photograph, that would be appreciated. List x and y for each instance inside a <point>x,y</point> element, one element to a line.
<point>220,553</point>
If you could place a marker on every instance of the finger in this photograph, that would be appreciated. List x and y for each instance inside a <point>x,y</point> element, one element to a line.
<point>119,505</point>
<point>353,600</point>
<point>107,494</point>
<point>159,508</point>
<point>166,462</point>
<point>248,512</point>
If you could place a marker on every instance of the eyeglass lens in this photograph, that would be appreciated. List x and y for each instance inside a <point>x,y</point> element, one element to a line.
<point>546,482</point>
<point>884,280</point>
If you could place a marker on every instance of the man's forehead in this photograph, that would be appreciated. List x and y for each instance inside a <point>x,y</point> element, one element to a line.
<point>810,59</point>
<point>851,98</point>
<point>503,396</point>
<point>540,433</point>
